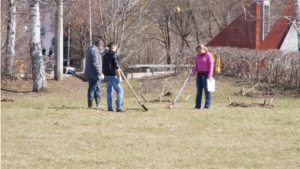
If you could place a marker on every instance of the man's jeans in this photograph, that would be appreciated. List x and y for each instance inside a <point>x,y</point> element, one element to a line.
<point>113,82</point>
<point>201,82</point>
<point>94,89</point>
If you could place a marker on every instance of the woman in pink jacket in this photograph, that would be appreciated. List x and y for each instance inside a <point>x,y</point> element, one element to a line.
<point>204,66</point>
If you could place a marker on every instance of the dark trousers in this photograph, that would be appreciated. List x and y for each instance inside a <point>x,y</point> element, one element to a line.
<point>94,89</point>
<point>201,82</point>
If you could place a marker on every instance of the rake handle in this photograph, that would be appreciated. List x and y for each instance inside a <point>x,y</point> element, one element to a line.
<point>133,90</point>
<point>181,90</point>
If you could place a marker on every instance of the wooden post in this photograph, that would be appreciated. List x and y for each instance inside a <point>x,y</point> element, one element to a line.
<point>146,100</point>
<point>229,101</point>
<point>163,92</point>
<point>270,103</point>
<point>186,99</point>
<point>243,91</point>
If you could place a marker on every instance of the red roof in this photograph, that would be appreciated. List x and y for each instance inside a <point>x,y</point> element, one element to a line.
<point>243,32</point>
<point>280,29</point>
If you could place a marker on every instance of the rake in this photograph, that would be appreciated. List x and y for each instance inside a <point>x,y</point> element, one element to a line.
<point>173,103</point>
<point>144,107</point>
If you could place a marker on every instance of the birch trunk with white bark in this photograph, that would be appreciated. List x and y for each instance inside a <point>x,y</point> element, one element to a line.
<point>11,38</point>
<point>297,17</point>
<point>38,70</point>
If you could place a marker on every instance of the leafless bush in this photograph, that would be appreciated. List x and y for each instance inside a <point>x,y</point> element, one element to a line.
<point>183,61</point>
<point>272,66</point>
<point>22,67</point>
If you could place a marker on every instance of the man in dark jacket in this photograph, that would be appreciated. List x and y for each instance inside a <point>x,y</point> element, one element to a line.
<point>50,53</point>
<point>93,71</point>
<point>44,51</point>
<point>111,70</point>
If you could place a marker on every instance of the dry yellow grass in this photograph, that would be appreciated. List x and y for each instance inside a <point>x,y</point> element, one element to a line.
<point>54,129</point>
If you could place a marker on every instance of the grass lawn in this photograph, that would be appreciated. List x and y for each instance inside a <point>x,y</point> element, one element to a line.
<point>54,129</point>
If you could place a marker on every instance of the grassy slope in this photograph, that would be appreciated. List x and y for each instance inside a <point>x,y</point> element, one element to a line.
<point>54,129</point>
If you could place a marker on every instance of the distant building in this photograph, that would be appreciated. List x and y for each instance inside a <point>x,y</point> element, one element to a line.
<point>47,30</point>
<point>251,29</point>
<point>283,34</point>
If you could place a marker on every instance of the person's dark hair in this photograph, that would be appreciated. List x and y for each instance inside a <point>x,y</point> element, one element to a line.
<point>111,45</point>
<point>99,42</point>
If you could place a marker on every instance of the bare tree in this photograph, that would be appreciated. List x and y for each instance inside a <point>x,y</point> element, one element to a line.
<point>11,37</point>
<point>163,28</point>
<point>79,36</point>
<point>122,21</point>
<point>21,38</point>
<point>165,33</point>
<point>90,23</point>
<point>38,71</point>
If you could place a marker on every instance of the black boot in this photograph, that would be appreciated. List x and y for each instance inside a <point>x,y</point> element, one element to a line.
<point>97,100</point>
<point>90,103</point>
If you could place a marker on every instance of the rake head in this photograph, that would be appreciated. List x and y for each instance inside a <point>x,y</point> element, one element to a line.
<point>144,107</point>
<point>170,106</point>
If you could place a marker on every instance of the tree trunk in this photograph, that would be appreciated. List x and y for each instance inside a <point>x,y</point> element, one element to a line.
<point>90,20</point>
<point>38,71</point>
<point>82,62</point>
<point>11,37</point>
<point>297,16</point>
<point>82,51</point>
<point>68,62</point>
<point>168,44</point>
<point>59,40</point>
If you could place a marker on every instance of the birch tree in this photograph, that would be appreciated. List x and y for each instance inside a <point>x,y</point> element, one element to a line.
<point>38,71</point>
<point>11,37</point>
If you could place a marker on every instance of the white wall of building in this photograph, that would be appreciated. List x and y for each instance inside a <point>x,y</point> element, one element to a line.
<point>290,42</point>
<point>47,41</point>
<point>47,21</point>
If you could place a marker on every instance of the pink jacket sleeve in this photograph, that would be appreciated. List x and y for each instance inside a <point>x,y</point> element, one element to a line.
<point>210,65</point>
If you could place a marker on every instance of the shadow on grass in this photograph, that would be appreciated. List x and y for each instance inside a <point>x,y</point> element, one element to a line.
<point>15,91</point>
<point>74,108</point>
<point>136,109</point>
<point>64,107</point>
<point>86,108</point>
<point>78,75</point>
<point>157,101</point>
